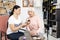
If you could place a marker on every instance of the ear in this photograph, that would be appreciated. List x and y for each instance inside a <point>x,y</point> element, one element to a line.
<point>14,10</point>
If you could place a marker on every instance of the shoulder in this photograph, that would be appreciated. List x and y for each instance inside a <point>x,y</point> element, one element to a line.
<point>11,18</point>
<point>37,16</point>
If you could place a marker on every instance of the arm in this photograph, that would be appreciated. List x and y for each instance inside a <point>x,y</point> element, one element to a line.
<point>13,28</point>
<point>41,25</point>
<point>28,28</point>
<point>27,22</point>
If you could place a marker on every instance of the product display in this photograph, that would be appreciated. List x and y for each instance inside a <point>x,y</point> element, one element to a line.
<point>52,14</point>
<point>0,0</point>
<point>1,4</point>
<point>3,11</point>
<point>8,4</point>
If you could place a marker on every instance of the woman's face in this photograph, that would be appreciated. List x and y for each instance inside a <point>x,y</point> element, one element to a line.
<point>30,13</point>
<point>17,11</point>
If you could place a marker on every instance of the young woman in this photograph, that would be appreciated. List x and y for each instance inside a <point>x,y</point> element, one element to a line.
<point>14,24</point>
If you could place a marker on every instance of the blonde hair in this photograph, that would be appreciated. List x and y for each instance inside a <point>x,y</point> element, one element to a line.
<point>31,9</point>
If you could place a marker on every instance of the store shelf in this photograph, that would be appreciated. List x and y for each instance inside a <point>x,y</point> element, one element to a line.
<point>7,4</point>
<point>53,17</point>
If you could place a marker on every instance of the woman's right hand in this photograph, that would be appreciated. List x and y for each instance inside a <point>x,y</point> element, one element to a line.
<point>23,25</point>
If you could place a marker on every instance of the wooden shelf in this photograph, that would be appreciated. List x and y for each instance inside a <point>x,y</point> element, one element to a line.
<point>8,4</point>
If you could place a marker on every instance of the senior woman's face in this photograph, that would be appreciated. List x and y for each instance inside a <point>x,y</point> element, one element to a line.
<point>30,13</point>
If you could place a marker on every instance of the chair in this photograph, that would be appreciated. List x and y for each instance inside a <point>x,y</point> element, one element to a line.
<point>3,26</point>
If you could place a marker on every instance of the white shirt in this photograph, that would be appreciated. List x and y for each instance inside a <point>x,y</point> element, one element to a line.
<point>14,21</point>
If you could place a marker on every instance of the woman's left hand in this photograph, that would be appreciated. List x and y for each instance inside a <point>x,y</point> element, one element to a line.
<point>33,33</point>
<point>23,25</point>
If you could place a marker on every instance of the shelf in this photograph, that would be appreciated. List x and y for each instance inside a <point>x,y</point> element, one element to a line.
<point>7,4</point>
<point>54,13</point>
<point>54,28</point>
<point>3,14</point>
<point>54,34</point>
<point>53,20</point>
<point>45,21</point>
<point>55,4</point>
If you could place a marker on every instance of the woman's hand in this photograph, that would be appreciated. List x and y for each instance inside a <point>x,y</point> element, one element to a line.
<point>23,25</point>
<point>28,21</point>
<point>33,33</point>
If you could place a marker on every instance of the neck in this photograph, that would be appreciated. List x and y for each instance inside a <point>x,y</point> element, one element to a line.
<point>15,15</point>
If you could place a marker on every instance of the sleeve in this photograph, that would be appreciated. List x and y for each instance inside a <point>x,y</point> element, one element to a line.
<point>28,25</point>
<point>10,21</point>
<point>28,28</point>
<point>41,25</point>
